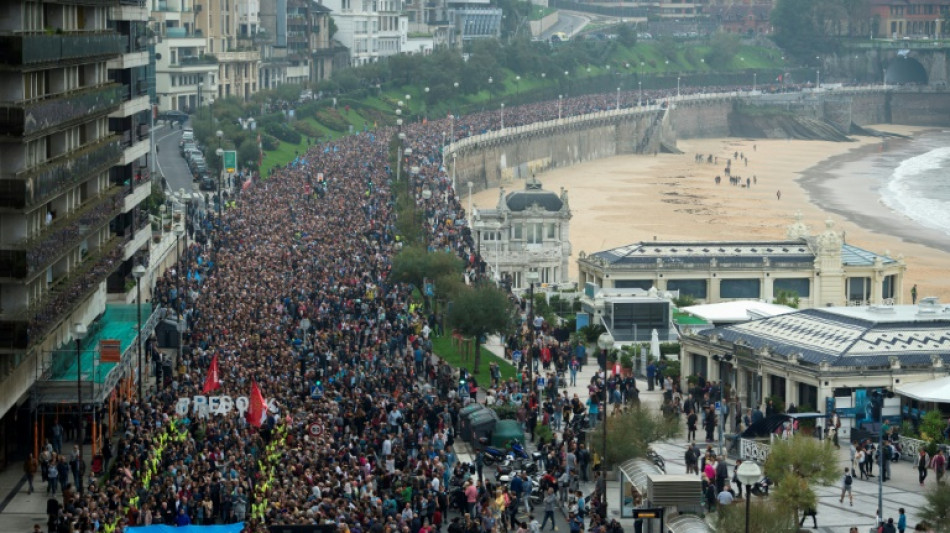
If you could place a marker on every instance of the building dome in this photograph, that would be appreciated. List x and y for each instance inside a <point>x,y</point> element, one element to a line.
<point>531,195</point>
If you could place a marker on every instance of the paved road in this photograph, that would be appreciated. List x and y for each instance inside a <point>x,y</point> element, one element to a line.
<point>568,22</point>
<point>170,162</point>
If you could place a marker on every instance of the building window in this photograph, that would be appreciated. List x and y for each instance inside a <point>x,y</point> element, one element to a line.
<point>859,289</point>
<point>889,284</point>
<point>644,284</point>
<point>800,287</point>
<point>552,231</point>
<point>535,233</point>
<point>740,288</point>
<point>697,288</point>
<point>517,232</point>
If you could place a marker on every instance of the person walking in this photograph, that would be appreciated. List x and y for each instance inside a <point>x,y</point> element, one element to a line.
<point>29,470</point>
<point>913,294</point>
<point>846,481</point>
<point>923,462</point>
<point>813,513</point>
<point>939,464</point>
<point>901,520</point>
<point>550,503</point>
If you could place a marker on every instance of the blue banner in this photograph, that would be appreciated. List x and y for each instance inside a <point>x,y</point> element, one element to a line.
<point>227,528</point>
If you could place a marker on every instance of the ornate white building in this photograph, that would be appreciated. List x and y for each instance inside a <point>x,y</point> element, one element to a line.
<point>528,231</point>
<point>820,270</point>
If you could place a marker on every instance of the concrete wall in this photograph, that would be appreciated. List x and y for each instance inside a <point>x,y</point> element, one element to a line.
<point>500,158</point>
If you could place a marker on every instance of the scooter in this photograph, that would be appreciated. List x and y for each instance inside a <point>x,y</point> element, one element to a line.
<point>761,487</point>
<point>492,455</point>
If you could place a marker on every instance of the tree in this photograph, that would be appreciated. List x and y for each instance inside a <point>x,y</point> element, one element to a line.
<point>795,463</point>
<point>723,48</point>
<point>802,27</point>
<point>480,311</point>
<point>764,517</point>
<point>631,433</point>
<point>413,265</point>
<point>626,35</point>
<point>937,509</point>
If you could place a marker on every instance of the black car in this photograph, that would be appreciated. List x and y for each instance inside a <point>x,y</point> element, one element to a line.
<point>207,184</point>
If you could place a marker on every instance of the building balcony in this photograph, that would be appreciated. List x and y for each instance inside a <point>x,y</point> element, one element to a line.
<point>134,149</point>
<point>33,186</point>
<point>132,106</point>
<point>19,119</point>
<point>19,331</point>
<point>129,60</point>
<point>230,57</point>
<point>143,188</point>
<point>32,256</point>
<point>137,240</point>
<point>38,48</point>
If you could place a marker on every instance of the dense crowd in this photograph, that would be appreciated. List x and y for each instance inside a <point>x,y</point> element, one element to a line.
<point>292,293</point>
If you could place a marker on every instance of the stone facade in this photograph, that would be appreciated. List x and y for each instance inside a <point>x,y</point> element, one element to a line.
<point>529,230</point>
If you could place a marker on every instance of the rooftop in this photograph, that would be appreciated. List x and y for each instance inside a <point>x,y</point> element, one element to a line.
<point>850,336</point>
<point>797,251</point>
<point>737,311</point>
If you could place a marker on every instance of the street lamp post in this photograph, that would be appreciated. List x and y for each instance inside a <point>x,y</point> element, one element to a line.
<point>748,473</point>
<point>677,87</point>
<point>502,115</point>
<point>531,276</point>
<point>137,273</point>
<point>220,153</point>
<point>639,93</point>
<point>179,232</point>
<point>618,98</point>
<point>559,98</point>
<point>470,219</point>
<point>425,105</point>
<point>721,359</point>
<point>490,81</point>
<point>755,76</point>
<point>606,343</point>
<point>79,333</point>
<point>454,157</point>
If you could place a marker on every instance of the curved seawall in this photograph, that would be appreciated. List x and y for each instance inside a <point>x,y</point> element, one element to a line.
<point>499,158</point>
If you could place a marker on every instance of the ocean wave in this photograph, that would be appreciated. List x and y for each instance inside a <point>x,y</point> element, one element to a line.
<point>910,180</point>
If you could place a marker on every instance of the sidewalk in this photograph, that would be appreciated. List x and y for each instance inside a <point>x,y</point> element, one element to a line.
<point>902,490</point>
<point>19,511</point>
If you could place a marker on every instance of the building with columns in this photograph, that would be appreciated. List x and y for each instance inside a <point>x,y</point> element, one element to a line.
<point>808,357</point>
<point>820,270</point>
<point>529,230</point>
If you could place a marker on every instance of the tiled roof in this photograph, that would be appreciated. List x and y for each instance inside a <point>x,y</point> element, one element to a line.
<point>823,335</point>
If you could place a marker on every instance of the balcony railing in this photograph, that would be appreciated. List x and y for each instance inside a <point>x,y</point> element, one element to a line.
<point>37,48</point>
<point>21,330</point>
<point>38,253</point>
<point>35,185</point>
<point>26,118</point>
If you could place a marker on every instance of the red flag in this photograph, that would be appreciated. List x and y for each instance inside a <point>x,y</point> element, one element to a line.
<point>213,381</point>
<point>257,411</point>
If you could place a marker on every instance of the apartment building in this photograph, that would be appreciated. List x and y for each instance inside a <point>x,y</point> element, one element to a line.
<point>219,21</point>
<point>73,174</point>
<point>371,29</point>
<point>185,73</point>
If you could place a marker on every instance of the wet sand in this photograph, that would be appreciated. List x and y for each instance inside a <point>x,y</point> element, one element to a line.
<point>625,199</point>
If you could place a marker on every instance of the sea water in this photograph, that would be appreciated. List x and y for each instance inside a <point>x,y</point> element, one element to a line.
<point>918,183</point>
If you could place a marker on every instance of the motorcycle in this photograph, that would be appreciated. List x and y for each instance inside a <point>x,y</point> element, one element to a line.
<point>505,470</point>
<point>492,455</point>
<point>761,487</point>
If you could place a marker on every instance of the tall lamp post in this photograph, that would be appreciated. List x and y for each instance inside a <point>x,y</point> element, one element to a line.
<point>877,409</point>
<point>79,333</point>
<point>179,232</point>
<point>502,115</point>
<point>748,473</point>
<point>531,277</point>
<point>137,273</point>
<point>722,360</point>
<point>606,343</point>
<point>220,153</point>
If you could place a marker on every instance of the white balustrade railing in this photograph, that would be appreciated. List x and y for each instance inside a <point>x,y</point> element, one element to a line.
<point>911,447</point>
<point>751,450</point>
<point>670,102</point>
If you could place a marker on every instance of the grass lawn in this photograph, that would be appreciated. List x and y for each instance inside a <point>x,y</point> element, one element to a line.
<point>443,347</point>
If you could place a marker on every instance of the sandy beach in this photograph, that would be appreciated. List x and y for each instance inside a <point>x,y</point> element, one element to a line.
<point>624,199</point>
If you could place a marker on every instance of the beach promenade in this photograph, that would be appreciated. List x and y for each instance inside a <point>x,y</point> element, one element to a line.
<point>902,490</point>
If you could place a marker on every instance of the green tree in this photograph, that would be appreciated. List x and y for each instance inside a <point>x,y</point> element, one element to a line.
<point>794,464</point>
<point>413,265</point>
<point>937,509</point>
<point>805,29</point>
<point>723,48</point>
<point>480,311</point>
<point>631,433</point>
<point>626,35</point>
<point>764,517</point>
<point>248,154</point>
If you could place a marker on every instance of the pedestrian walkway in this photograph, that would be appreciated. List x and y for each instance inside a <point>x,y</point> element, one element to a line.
<point>902,490</point>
